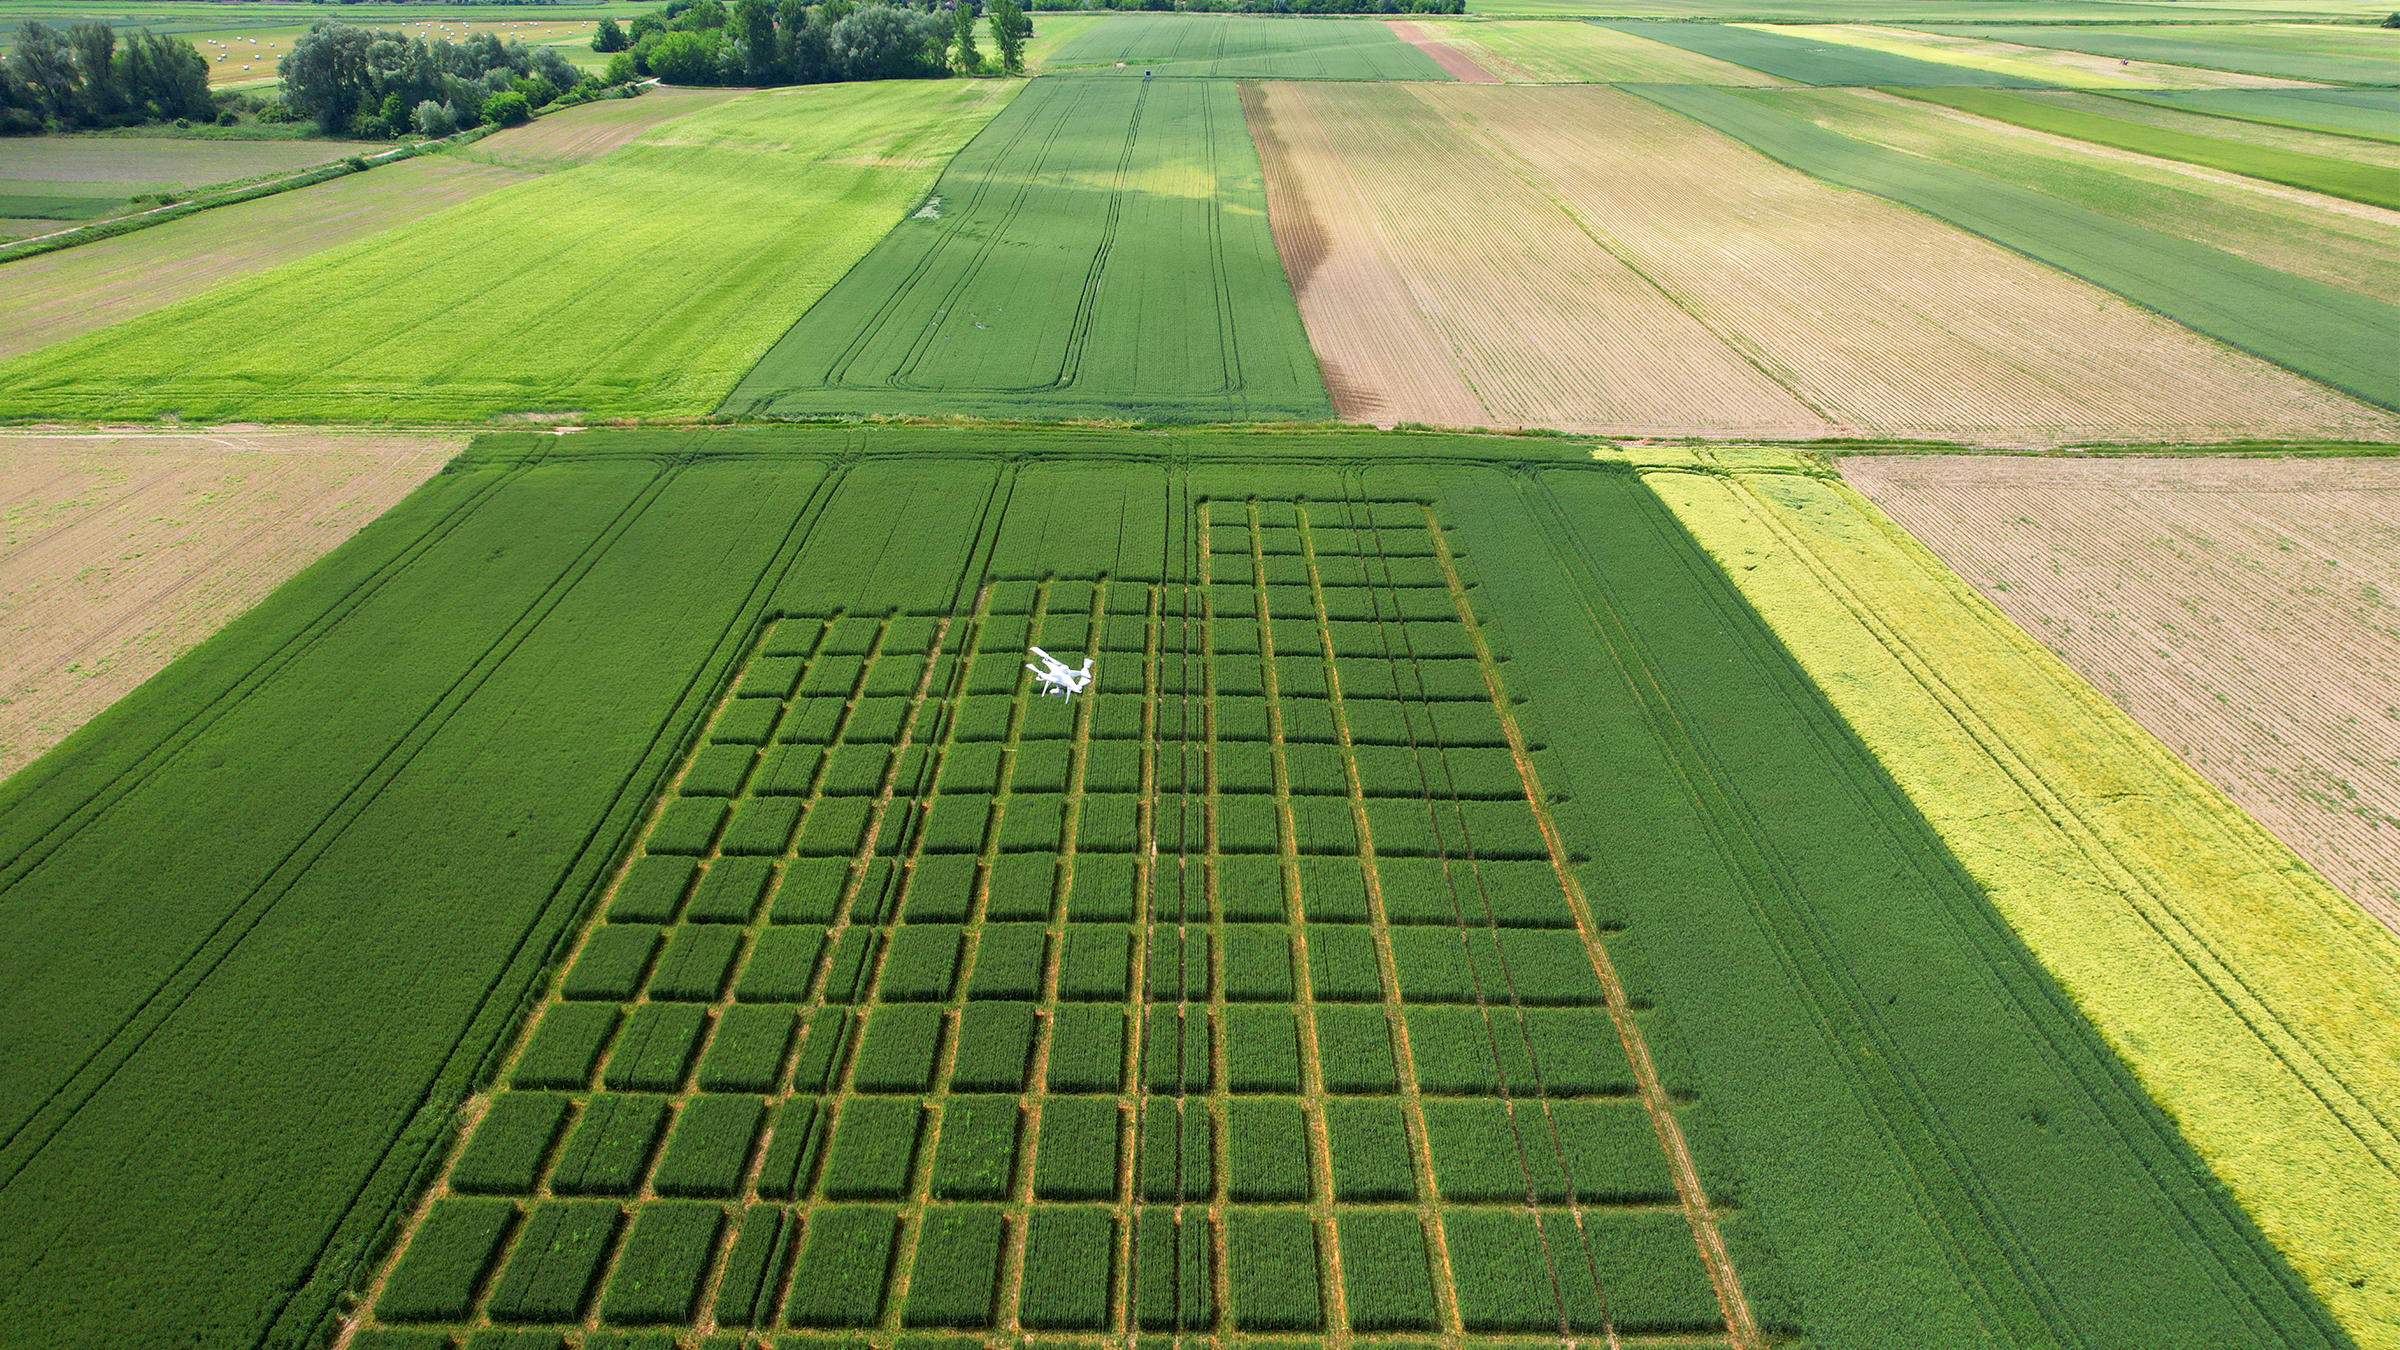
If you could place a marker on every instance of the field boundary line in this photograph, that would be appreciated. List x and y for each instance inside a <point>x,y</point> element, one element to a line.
<point>335,822</point>
<point>2156,910</point>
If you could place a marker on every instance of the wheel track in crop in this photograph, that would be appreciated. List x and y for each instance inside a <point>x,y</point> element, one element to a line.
<point>838,371</point>
<point>287,871</point>
<point>744,620</point>
<point>1805,954</point>
<point>2098,1070</point>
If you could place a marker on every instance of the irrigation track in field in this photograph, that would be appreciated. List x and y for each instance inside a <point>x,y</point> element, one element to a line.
<point>2290,1045</point>
<point>744,619</point>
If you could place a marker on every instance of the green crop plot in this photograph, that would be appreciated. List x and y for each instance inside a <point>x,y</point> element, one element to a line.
<point>1247,47</point>
<point>2319,330</point>
<point>913,1123</point>
<point>572,292</point>
<point>2370,113</point>
<point>1101,250</point>
<point>2329,53</point>
<point>2371,183</point>
<point>1805,60</point>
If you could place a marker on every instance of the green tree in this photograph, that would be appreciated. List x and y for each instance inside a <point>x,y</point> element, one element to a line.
<point>1010,28</point>
<point>620,69</point>
<point>966,58</point>
<point>752,25</point>
<point>609,38</point>
<point>506,110</point>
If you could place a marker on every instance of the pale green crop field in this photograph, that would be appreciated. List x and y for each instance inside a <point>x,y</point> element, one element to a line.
<point>642,284</point>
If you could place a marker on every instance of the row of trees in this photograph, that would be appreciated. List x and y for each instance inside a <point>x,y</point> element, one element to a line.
<point>81,78</point>
<point>761,42</point>
<point>374,83</point>
<point>1269,6</point>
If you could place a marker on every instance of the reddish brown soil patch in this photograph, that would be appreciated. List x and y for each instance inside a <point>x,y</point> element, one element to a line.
<point>1461,66</point>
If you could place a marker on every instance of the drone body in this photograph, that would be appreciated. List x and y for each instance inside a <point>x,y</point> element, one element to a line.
<point>1057,677</point>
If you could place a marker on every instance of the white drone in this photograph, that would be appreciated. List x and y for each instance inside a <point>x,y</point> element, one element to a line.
<point>1057,677</point>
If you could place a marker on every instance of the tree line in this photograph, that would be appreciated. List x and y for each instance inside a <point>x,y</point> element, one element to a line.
<point>766,42</point>
<point>81,77</point>
<point>376,84</point>
<point>1267,6</point>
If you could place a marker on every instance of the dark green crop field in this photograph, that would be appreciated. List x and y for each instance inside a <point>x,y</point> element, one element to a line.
<point>2330,53</point>
<point>1247,46</point>
<point>1808,62</point>
<point>2371,183</point>
<point>1449,914</point>
<point>2339,337</point>
<point>1100,250</point>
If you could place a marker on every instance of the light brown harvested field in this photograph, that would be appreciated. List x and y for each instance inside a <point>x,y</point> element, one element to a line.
<point>119,552</point>
<point>2246,612</point>
<point>1460,65</point>
<point>1592,262</point>
<point>1438,288</point>
<point>54,296</point>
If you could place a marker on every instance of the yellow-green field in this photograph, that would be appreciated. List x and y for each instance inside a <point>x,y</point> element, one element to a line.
<point>715,231</point>
<point>2259,1007</point>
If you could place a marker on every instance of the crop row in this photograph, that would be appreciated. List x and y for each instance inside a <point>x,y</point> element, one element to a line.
<point>1455,1047</point>
<point>1516,1269</point>
<point>1482,1148</point>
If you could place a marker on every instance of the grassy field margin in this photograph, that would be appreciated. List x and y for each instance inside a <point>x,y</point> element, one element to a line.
<point>2254,1002</point>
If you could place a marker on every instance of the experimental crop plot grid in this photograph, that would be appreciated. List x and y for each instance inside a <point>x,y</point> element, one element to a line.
<point>1250,994</point>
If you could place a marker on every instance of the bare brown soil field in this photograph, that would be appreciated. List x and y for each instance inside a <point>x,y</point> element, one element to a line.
<point>54,296</point>
<point>119,552</point>
<point>1458,63</point>
<point>1582,259</point>
<point>2246,612</point>
<point>1438,288</point>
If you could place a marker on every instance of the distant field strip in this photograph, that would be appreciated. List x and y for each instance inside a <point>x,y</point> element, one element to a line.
<point>119,553</point>
<point>55,296</point>
<point>2259,1007</point>
<point>2372,113</point>
<point>2337,243</point>
<point>2036,64</point>
<point>1603,266</point>
<point>1101,250</point>
<point>2373,184</point>
<point>2320,331</point>
<point>2344,54</point>
<point>1811,60</point>
<point>1244,46</point>
<point>1581,53</point>
<point>577,291</point>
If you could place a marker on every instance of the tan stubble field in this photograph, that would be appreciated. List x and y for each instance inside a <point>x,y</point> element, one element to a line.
<point>2244,611</point>
<point>1582,259</point>
<point>118,552</point>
